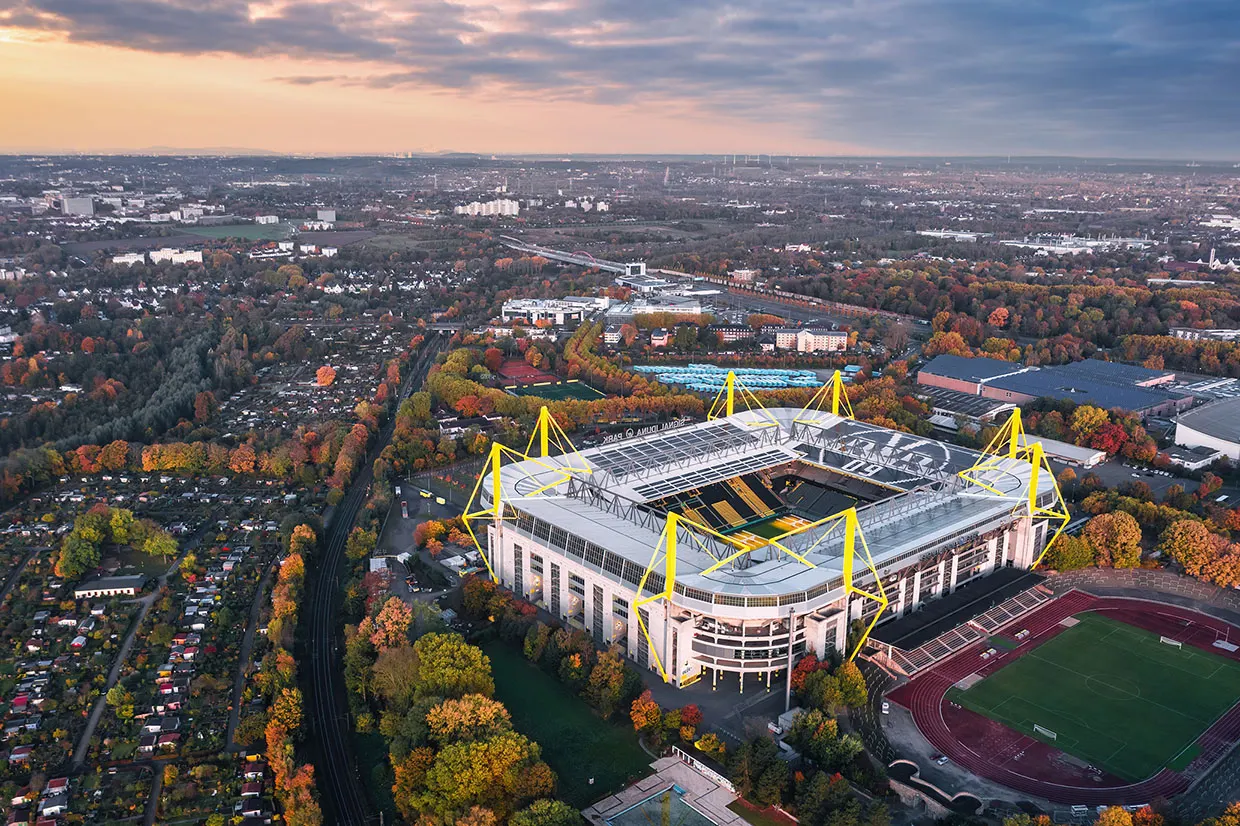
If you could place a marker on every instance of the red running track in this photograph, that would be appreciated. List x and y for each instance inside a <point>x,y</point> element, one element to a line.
<point>1026,765</point>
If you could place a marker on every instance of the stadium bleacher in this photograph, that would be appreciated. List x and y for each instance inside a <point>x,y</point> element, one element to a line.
<point>726,507</point>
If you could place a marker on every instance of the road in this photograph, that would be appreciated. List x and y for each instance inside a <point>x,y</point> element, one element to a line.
<point>344,800</point>
<point>243,661</point>
<point>145,603</point>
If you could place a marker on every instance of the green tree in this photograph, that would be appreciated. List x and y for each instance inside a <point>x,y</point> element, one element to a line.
<point>121,702</point>
<point>1069,553</point>
<point>121,524</point>
<point>160,544</point>
<point>77,556</point>
<point>547,813</point>
<point>450,667</point>
<point>360,543</point>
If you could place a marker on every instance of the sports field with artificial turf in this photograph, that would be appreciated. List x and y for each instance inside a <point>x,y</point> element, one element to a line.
<point>1113,694</point>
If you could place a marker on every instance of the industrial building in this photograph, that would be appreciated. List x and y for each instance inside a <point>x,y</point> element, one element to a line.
<point>1105,384</point>
<point>557,312</point>
<point>1215,426</point>
<point>730,547</point>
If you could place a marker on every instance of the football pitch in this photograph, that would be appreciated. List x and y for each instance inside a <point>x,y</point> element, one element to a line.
<point>562,391</point>
<point>1113,694</point>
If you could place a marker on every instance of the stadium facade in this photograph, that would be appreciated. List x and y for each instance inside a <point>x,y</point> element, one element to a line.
<point>740,543</point>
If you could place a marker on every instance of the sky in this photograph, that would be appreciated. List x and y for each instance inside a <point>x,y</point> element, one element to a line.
<point>1107,78</point>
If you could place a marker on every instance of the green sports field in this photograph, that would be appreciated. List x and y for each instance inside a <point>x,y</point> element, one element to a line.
<point>1115,695</point>
<point>560,392</point>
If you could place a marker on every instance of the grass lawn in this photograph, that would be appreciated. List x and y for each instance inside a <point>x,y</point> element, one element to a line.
<point>767,529</point>
<point>248,232</point>
<point>575,742</point>
<point>561,392</point>
<point>758,817</point>
<point>1114,695</point>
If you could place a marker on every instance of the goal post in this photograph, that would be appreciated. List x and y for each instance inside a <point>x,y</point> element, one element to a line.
<point>1171,642</point>
<point>1045,732</point>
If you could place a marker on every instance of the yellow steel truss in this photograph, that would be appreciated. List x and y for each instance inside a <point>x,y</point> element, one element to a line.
<point>669,540</point>
<point>837,392</point>
<point>725,403</point>
<point>1011,443</point>
<point>547,434</point>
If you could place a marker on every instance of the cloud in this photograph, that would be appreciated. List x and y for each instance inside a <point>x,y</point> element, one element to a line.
<point>927,76</point>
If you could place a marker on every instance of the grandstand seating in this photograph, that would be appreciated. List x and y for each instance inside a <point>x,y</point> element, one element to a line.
<point>753,500</point>
<point>725,506</point>
<point>729,514</point>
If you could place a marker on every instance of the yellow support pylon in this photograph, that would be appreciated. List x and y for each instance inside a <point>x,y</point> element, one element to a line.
<point>547,434</point>
<point>837,392</point>
<point>724,404</point>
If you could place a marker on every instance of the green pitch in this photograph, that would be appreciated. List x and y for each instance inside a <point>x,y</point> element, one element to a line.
<point>564,391</point>
<point>1116,696</point>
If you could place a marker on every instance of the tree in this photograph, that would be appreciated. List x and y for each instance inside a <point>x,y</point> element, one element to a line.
<point>1189,543</point>
<point>161,544</point>
<point>998,317</point>
<point>450,667</point>
<point>645,713</point>
<point>1114,816</point>
<point>391,624</point>
<point>1116,538</point>
<point>606,687</point>
<point>242,459</point>
<point>472,717</point>
<point>360,543</point>
<point>287,709</point>
<point>77,556</point>
<point>546,813</point>
<point>1086,420</point>
<point>121,525</point>
<point>853,691</point>
<point>1069,553</point>
<point>325,375</point>
<point>121,702</point>
<point>490,773</point>
<point>493,358</point>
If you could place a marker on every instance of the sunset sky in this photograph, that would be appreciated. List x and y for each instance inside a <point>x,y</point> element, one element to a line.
<point>1150,78</point>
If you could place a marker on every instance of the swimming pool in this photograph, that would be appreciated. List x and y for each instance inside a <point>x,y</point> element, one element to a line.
<point>665,808</point>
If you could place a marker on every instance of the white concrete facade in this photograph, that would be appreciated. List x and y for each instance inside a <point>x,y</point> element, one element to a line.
<point>693,639</point>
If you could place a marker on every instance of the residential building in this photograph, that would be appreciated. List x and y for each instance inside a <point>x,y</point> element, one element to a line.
<point>728,333</point>
<point>169,255</point>
<point>811,339</point>
<point>500,206</point>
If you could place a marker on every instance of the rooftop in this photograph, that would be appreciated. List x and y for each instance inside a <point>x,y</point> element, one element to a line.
<point>967,369</point>
<point>1220,419</point>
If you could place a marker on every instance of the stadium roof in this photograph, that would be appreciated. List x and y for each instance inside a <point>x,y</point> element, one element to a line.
<point>1220,419</point>
<point>595,515</point>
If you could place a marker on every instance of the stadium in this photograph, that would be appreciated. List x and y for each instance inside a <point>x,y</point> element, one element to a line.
<point>735,545</point>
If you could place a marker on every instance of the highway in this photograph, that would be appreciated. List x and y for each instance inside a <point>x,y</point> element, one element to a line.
<point>342,789</point>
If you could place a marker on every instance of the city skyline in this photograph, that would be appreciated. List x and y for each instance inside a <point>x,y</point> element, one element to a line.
<point>894,77</point>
